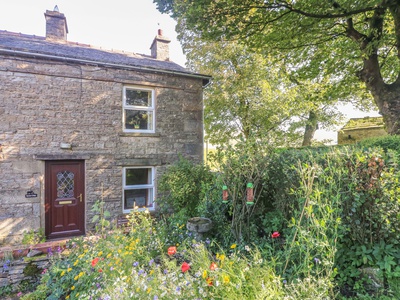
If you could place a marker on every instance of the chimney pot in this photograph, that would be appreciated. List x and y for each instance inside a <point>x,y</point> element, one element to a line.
<point>56,25</point>
<point>160,46</point>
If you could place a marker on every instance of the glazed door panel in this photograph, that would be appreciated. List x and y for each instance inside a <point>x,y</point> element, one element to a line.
<point>64,198</point>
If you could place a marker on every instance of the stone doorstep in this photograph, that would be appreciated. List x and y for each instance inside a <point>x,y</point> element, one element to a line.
<point>23,250</point>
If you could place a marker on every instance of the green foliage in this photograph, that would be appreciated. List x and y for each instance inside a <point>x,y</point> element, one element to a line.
<point>384,142</point>
<point>213,208</point>
<point>254,94</point>
<point>100,217</point>
<point>6,290</point>
<point>181,187</point>
<point>336,41</point>
<point>355,194</point>
<point>242,164</point>
<point>33,237</point>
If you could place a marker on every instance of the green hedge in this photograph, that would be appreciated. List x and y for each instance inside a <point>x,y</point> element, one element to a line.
<point>362,182</point>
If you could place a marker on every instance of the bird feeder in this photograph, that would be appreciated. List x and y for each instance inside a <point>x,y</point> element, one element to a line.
<point>249,194</point>
<point>224,194</point>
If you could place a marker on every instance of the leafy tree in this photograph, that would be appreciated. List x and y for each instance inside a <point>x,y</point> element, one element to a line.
<point>253,94</point>
<point>352,41</point>
<point>249,96</point>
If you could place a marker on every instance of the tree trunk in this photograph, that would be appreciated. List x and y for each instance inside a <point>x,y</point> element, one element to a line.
<point>386,96</point>
<point>311,127</point>
<point>387,99</point>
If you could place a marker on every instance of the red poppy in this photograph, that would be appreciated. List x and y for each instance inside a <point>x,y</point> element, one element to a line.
<point>275,235</point>
<point>100,270</point>
<point>95,261</point>
<point>171,250</point>
<point>213,266</point>
<point>185,267</point>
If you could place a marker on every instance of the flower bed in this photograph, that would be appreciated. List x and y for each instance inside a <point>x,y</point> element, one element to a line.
<point>139,265</point>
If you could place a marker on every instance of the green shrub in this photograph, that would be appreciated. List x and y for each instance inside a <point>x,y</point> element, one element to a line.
<point>33,237</point>
<point>384,142</point>
<point>243,169</point>
<point>181,187</point>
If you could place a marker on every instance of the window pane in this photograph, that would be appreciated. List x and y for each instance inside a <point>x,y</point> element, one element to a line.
<point>138,98</point>
<point>65,184</point>
<point>138,176</point>
<point>139,197</point>
<point>138,119</point>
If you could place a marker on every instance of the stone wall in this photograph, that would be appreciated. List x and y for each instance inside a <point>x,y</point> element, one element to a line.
<point>46,103</point>
<point>354,135</point>
<point>12,273</point>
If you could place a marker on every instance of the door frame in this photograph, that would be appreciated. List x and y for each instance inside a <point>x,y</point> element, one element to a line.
<point>48,201</point>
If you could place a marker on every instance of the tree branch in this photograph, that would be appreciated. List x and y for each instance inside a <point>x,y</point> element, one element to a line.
<point>343,14</point>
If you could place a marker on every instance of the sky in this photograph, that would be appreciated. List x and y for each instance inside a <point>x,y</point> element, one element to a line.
<point>128,25</point>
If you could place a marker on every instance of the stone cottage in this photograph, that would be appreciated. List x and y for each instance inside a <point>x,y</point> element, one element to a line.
<point>358,129</point>
<point>80,124</point>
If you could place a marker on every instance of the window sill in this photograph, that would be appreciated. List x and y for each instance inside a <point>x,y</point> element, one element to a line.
<point>150,210</point>
<point>139,134</point>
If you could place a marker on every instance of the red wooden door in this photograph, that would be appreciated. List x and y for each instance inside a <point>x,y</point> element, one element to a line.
<point>64,198</point>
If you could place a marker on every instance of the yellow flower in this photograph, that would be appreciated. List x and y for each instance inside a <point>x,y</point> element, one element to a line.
<point>204,274</point>
<point>233,246</point>
<point>151,272</point>
<point>148,290</point>
<point>76,262</point>
<point>108,255</point>
<point>221,257</point>
<point>67,297</point>
<point>81,274</point>
<point>62,273</point>
<point>76,277</point>
<point>225,279</point>
<point>72,288</point>
<point>77,294</point>
<point>100,253</point>
<point>69,269</point>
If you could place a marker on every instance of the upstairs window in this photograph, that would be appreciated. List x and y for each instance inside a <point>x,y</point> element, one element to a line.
<point>138,185</point>
<point>138,104</point>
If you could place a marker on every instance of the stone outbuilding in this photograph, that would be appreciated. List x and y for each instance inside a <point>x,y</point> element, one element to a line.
<point>81,124</point>
<point>357,129</point>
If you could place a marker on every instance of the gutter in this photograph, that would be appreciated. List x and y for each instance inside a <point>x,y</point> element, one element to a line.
<point>206,79</point>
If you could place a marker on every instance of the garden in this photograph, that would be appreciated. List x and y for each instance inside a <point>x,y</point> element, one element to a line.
<point>309,223</point>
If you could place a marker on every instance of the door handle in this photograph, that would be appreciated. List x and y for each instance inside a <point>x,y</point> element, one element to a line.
<point>80,197</point>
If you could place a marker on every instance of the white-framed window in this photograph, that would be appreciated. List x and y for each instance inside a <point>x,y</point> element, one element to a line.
<point>138,188</point>
<point>138,109</point>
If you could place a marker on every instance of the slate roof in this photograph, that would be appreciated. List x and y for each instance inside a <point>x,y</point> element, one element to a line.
<point>31,44</point>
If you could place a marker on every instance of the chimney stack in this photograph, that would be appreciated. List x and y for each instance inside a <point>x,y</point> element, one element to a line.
<point>56,25</point>
<point>160,46</point>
